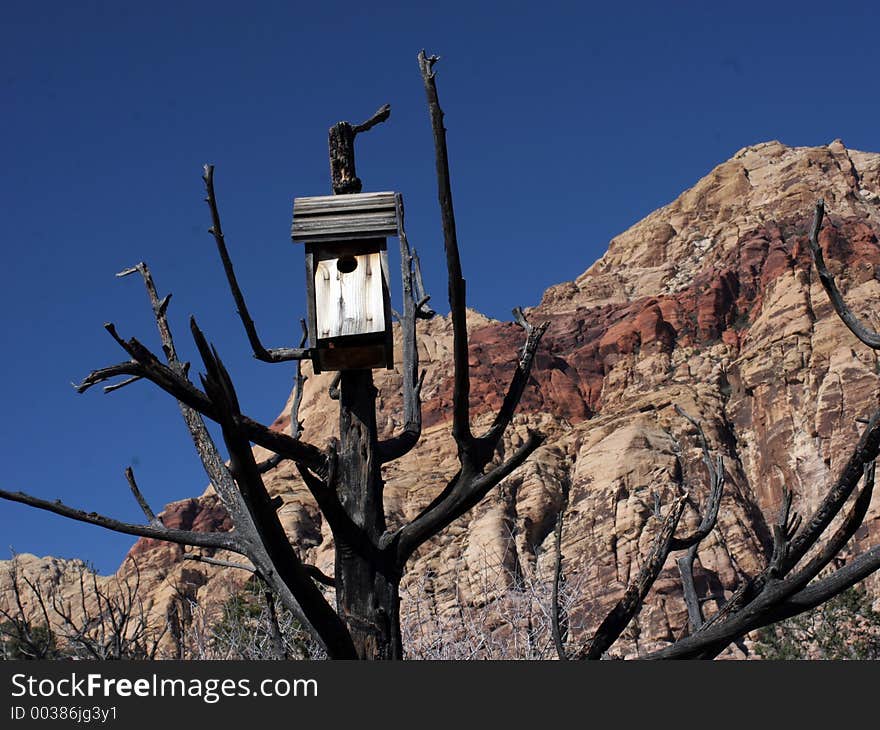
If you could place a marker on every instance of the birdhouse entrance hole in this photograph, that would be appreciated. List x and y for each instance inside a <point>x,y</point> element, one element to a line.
<point>346,264</point>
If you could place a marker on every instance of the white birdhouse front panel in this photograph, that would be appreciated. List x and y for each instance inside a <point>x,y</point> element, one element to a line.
<point>349,297</point>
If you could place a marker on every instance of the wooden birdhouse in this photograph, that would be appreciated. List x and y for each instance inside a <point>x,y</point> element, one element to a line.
<point>349,307</point>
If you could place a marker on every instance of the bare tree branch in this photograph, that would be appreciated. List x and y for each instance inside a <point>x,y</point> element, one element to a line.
<point>518,383</point>
<point>770,596</point>
<point>708,521</point>
<point>837,541</point>
<point>380,116</point>
<point>401,444</point>
<point>174,383</point>
<point>119,386</point>
<point>218,540</point>
<point>824,590</point>
<point>422,310</point>
<point>331,508</point>
<point>300,380</point>
<point>320,576</point>
<point>686,570</point>
<point>716,488</point>
<point>219,563</point>
<point>463,492</point>
<point>160,309</point>
<point>269,464</point>
<point>101,375</point>
<point>281,354</point>
<point>214,466</point>
<point>295,424</point>
<point>781,535</point>
<point>558,628</point>
<point>145,507</point>
<point>461,427</point>
<point>333,390</point>
<point>767,610</point>
<point>864,453</point>
<point>871,339</point>
<point>758,591</point>
<point>631,602</point>
<point>470,484</point>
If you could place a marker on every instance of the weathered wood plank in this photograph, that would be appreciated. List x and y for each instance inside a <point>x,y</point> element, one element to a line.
<point>348,302</point>
<point>353,247</point>
<point>346,357</point>
<point>310,304</point>
<point>344,217</point>
<point>386,297</point>
<point>361,201</point>
<point>375,225</point>
<point>379,217</point>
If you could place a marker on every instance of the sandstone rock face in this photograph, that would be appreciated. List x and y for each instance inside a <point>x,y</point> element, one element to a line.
<point>709,303</point>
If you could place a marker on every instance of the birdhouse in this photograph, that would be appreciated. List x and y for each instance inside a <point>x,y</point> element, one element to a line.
<point>349,307</point>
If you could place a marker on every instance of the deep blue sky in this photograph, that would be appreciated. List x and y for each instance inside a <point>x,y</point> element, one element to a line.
<point>567,123</point>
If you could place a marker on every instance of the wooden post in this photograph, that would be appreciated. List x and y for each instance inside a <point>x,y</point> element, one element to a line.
<point>367,595</point>
<point>342,172</point>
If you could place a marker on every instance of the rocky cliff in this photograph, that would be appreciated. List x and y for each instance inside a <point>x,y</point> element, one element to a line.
<point>709,303</point>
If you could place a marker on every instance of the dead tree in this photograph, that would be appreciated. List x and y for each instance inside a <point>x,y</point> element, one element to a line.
<point>92,622</point>
<point>345,478</point>
<point>794,578</point>
<point>106,622</point>
<point>21,635</point>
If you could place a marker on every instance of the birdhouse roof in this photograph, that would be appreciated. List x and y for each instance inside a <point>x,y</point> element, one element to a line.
<point>345,217</point>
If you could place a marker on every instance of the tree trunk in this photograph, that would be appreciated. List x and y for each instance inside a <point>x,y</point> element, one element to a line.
<point>343,177</point>
<point>367,595</point>
<point>367,581</point>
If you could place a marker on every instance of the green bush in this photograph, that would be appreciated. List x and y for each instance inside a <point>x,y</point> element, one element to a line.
<point>25,641</point>
<point>846,627</point>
